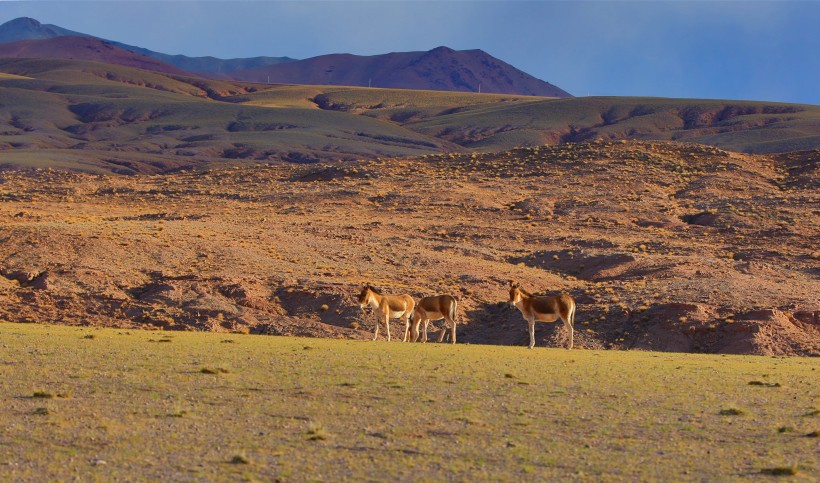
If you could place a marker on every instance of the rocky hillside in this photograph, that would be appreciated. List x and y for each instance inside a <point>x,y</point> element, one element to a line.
<point>665,246</point>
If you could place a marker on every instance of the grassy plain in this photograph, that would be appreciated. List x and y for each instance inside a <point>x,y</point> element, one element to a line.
<point>107,404</point>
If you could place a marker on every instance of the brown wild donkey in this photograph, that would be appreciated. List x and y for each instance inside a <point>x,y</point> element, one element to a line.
<point>543,309</point>
<point>387,307</point>
<point>436,307</point>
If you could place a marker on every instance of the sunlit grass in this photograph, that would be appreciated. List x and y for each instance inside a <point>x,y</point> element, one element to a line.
<point>329,409</point>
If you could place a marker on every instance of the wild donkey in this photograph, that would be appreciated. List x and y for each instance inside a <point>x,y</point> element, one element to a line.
<point>387,307</point>
<point>436,307</point>
<point>543,309</point>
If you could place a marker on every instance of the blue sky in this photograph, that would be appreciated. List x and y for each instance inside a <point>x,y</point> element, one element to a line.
<point>759,50</point>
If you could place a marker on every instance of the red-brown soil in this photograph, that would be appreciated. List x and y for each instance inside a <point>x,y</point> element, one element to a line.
<point>665,246</point>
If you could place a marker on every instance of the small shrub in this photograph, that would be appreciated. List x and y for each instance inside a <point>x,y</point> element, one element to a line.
<point>316,432</point>
<point>240,459</point>
<point>217,370</point>
<point>813,434</point>
<point>43,395</point>
<point>42,411</point>
<point>731,412</point>
<point>766,384</point>
<point>780,471</point>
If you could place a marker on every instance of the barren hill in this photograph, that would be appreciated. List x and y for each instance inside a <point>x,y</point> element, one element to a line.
<point>439,69</point>
<point>665,246</point>
<point>84,48</point>
<point>442,69</point>
<point>25,28</point>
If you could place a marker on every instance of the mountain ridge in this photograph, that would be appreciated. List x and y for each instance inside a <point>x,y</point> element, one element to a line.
<point>84,48</point>
<point>25,28</point>
<point>441,68</point>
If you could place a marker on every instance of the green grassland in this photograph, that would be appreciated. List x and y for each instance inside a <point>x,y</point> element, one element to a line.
<point>84,106</point>
<point>744,126</point>
<point>103,404</point>
<point>99,108</point>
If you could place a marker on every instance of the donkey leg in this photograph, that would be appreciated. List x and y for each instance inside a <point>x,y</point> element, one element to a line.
<point>406,329</point>
<point>414,330</point>
<point>532,332</point>
<point>376,335</point>
<point>442,333</point>
<point>421,330</point>
<point>571,331</point>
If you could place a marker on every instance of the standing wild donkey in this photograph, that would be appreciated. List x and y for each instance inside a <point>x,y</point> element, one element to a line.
<point>436,307</point>
<point>543,309</point>
<point>387,307</point>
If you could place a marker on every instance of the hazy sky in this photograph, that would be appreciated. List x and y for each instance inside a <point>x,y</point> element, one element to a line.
<point>761,50</point>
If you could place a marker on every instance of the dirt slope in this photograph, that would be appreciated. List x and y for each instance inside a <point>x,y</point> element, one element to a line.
<point>665,246</point>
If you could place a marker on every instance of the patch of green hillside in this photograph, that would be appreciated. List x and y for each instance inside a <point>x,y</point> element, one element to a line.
<point>48,104</point>
<point>84,106</point>
<point>737,125</point>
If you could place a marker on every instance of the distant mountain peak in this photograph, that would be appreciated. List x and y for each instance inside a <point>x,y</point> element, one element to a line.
<point>441,68</point>
<point>27,28</point>
<point>442,50</point>
<point>23,22</point>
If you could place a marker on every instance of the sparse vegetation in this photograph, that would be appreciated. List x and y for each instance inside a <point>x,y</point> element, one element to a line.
<point>316,431</point>
<point>732,412</point>
<point>766,384</point>
<point>240,459</point>
<point>216,370</point>
<point>285,410</point>
<point>780,471</point>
